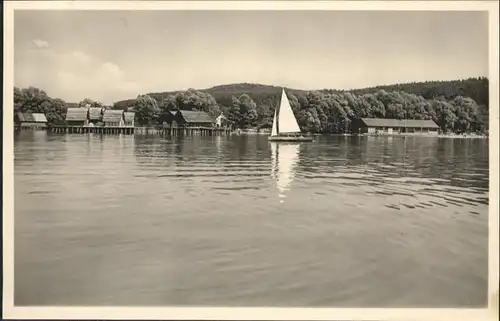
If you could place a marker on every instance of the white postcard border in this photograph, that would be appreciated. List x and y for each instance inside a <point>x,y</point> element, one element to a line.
<point>220,313</point>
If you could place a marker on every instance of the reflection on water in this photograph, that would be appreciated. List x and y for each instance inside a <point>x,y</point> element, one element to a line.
<point>344,221</point>
<point>284,159</point>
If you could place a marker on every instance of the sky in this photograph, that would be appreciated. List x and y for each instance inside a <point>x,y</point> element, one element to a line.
<point>115,55</point>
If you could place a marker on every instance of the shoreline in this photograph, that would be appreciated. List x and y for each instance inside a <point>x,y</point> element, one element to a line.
<point>150,130</point>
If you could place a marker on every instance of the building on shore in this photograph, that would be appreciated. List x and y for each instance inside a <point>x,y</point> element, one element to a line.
<point>384,126</point>
<point>34,120</point>
<point>223,121</point>
<point>113,118</point>
<point>129,119</point>
<point>188,118</point>
<point>78,116</point>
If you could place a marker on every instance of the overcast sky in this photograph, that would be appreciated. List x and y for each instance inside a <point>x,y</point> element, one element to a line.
<point>114,55</point>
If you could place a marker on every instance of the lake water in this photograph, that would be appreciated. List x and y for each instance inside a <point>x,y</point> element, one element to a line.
<point>237,221</point>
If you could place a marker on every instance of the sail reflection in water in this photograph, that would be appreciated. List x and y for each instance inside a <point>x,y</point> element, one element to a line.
<point>284,160</point>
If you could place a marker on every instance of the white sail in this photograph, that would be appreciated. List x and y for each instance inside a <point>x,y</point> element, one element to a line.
<point>274,130</point>
<point>285,158</point>
<point>286,118</point>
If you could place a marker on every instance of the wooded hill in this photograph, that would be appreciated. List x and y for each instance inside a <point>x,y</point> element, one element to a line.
<point>460,105</point>
<point>475,88</point>
<point>456,106</point>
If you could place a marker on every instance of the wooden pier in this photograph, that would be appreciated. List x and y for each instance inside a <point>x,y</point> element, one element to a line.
<point>168,131</point>
<point>28,127</point>
<point>94,130</point>
<point>195,131</point>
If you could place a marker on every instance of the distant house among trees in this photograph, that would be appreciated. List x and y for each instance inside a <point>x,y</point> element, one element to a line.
<point>113,118</point>
<point>77,116</point>
<point>35,120</point>
<point>395,126</point>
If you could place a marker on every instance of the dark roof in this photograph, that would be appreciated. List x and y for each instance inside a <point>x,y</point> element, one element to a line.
<point>28,117</point>
<point>72,105</point>
<point>196,116</point>
<point>401,123</point>
<point>129,116</point>
<point>112,116</point>
<point>173,112</point>
<point>77,114</point>
<point>95,113</point>
<point>32,117</point>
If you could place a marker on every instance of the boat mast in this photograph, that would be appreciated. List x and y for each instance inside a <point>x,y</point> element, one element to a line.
<point>278,113</point>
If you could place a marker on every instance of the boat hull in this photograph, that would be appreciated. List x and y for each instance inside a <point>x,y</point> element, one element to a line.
<point>289,139</point>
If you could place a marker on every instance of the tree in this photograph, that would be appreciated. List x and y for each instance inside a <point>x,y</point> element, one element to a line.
<point>234,113</point>
<point>243,111</point>
<point>265,113</point>
<point>166,106</point>
<point>248,111</point>
<point>444,114</point>
<point>146,110</point>
<point>18,99</point>
<point>32,99</point>
<point>35,100</point>
<point>467,112</point>
<point>87,102</point>
<point>57,111</point>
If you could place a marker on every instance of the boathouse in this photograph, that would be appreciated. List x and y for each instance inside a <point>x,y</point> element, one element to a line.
<point>113,118</point>
<point>129,119</point>
<point>95,115</point>
<point>193,118</point>
<point>34,120</point>
<point>187,118</point>
<point>395,126</point>
<point>77,116</point>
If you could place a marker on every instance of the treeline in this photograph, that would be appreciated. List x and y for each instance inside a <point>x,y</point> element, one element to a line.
<point>150,111</point>
<point>321,112</point>
<point>456,106</point>
<point>327,111</point>
<point>35,100</point>
<point>335,112</point>
<point>475,88</point>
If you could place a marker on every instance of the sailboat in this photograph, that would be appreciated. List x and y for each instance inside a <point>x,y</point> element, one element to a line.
<point>285,127</point>
<point>284,160</point>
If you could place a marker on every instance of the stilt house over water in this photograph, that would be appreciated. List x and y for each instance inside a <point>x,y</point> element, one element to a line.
<point>77,116</point>
<point>189,118</point>
<point>113,118</point>
<point>129,119</point>
<point>95,115</point>
<point>35,120</point>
